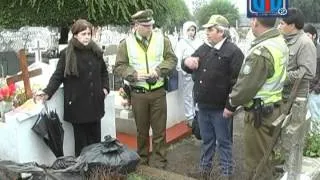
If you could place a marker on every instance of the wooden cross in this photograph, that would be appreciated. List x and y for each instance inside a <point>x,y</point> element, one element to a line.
<point>38,50</point>
<point>25,74</point>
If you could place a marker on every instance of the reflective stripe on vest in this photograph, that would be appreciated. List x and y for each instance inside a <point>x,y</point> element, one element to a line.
<point>271,91</point>
<point>142,60</point>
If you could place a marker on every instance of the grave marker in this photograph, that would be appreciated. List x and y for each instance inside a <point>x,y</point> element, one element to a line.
<point>38,52</point>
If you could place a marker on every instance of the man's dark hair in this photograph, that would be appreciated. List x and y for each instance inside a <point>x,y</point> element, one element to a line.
<point>267,21</point>
<point>295,17</point>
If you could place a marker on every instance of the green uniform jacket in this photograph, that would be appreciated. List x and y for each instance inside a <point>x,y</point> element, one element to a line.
<point>250,80</point>
<point>123,68</point>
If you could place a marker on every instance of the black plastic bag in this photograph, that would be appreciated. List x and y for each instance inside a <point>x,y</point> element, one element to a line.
<point>32,171</point>
<point>110,154</point>
<point>63,162</point>
<point>196,127</point>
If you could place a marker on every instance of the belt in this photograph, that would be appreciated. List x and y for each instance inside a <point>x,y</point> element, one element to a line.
<point>138,89</point>
<point>276,104</point>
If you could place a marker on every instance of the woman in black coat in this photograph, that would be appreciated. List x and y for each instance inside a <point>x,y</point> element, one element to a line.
<point>84,75</point>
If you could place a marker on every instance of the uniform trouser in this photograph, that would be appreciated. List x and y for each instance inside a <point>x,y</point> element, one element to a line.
<point>256,142</point>
<point>150,109</point>
<point>86,134</point>
<point>186,84</point>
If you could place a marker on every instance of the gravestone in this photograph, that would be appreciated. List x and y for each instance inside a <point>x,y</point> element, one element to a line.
<point>27,38</point>
<point>9,62</point>
<point>25,146</point>
<point>37,50</point>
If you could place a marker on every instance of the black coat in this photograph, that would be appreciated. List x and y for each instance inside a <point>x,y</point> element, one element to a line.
<point>217,73</point>
<point>83,95</point>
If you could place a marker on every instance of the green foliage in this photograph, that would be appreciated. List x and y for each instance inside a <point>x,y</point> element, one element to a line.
<point>312,145</point>
<point>310,9</point>
<point>17,13</point>
<point>222,7</point>
<point>176,14</point>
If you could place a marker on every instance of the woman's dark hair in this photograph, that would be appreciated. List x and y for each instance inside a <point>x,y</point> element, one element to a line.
<point>308,28</point>
<point>80,25</point>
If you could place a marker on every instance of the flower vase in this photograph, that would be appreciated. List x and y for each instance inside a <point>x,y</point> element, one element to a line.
<point>5,106</point>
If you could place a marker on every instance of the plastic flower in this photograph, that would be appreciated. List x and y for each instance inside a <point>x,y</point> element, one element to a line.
<point>7,92</point>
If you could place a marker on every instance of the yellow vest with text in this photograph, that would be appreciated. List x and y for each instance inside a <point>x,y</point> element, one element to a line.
<point>271,91</point>
<point>145,60</point>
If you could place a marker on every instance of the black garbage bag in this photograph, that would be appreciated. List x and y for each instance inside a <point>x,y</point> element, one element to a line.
<point>10,170</point>
<point>64,162</point>
<point>196,127</point>
<point>49,128</point>
<point>111,155</point>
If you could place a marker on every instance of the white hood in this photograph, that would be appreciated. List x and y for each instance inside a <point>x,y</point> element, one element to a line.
<point>186,26</point>
<point>186,46</point>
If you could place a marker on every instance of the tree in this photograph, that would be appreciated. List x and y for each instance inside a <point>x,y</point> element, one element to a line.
<point>222,7</point>
<point>17,13</point>
<point>62,12</point>
<point>175,16</point>
<point>310,9</point>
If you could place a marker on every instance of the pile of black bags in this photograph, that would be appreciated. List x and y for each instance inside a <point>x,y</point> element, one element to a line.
<point>108,155</point>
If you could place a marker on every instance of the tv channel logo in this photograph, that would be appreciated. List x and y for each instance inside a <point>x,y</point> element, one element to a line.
<point>267,8</point>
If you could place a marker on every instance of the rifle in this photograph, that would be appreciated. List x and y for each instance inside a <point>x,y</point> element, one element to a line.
<point>278,124</point>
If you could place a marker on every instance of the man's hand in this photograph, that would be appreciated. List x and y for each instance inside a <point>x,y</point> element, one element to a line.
<point>192,62</point>
<point>142,76</point>
<point>227,113</point>
<point>153,74</point>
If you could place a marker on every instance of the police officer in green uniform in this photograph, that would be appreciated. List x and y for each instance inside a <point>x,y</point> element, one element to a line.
<point>144,59</point>
<point>259,89</point>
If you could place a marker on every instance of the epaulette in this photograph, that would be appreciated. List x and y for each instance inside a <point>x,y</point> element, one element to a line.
<point>263,52</point>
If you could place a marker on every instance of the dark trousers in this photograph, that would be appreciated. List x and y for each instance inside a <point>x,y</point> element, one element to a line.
<point>215,134</point>
<point>86,134</point>
<point>150,109</point>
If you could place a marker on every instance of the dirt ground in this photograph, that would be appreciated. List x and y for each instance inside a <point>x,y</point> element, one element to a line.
<point>184,156</point>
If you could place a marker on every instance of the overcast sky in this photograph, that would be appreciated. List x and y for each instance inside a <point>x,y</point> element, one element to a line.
<point>241,4</point>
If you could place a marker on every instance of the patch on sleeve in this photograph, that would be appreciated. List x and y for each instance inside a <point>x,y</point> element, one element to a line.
<point>257,52</point>
<point>246,69</point>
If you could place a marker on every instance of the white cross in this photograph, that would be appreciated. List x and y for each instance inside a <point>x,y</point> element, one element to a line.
<point>38,50</point>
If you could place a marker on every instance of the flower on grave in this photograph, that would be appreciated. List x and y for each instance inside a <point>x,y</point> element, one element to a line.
<point>7,92</point>
<point>21,98</point>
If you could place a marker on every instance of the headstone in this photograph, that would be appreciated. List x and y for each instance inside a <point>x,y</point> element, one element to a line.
<point>9,62</point>
<point>125,121</point>
<point>20,144</point>
<point>37,50</point>
<point>27,37</point>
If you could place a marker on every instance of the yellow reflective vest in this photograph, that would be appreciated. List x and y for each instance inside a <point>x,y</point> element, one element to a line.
<point>271,91</point>
<point>146,59</point>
